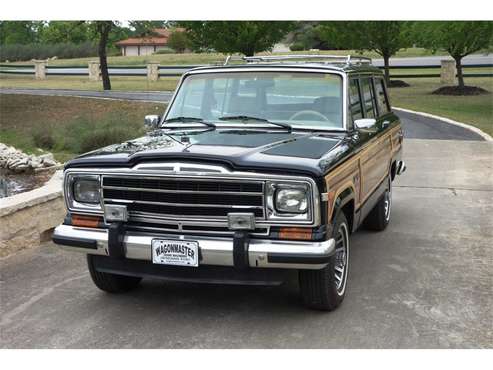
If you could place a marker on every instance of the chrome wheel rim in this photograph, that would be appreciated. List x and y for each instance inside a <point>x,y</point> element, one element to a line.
<point>387,206</point>
<point>341,259</point>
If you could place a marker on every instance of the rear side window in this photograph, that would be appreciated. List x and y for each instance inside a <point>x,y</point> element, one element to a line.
<point>354,99</point>
<point>382,100</point>
<point>368,100</point>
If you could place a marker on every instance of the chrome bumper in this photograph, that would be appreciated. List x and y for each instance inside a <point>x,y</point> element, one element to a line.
<point>217,251</point>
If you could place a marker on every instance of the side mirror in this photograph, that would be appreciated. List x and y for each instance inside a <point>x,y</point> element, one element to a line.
<point>365,123</point>
<point>152,121</point>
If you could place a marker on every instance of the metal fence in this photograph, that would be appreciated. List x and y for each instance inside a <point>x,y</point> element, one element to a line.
<point>178,70</point>
<point>78,70</point>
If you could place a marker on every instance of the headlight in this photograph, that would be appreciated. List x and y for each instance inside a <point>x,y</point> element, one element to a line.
<point>82,192</point>
<point>86,190</point>
<point>292,200</point>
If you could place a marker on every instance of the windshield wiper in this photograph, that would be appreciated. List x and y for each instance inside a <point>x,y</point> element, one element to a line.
<point>189,119</point>
<point>250,118</point>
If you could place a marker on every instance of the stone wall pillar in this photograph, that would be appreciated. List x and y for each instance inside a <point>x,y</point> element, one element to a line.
<point>94,71</point>
<point>152,71</point>
<point>39,69</point>
<point>448,72</point>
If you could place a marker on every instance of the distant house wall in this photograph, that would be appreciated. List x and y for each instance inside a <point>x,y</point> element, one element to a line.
<point>134,50</point>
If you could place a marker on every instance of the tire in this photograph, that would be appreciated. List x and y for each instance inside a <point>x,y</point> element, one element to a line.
<point>325,289</point>
<point>111,283</point>
<point>379,216</point>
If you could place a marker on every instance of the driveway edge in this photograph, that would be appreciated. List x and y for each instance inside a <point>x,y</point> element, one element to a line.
<point>476,130</point>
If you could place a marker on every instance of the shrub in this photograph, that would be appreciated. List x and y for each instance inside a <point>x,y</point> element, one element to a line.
<point>297,46</point>
<point>86,134</point>
<point>17,52</point>
<point>43,138</point>
<point>103,137</point>
<point>165,51</point>
<point>178,41</point>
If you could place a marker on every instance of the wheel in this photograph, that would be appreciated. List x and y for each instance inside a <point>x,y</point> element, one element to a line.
<point>325,289</point>
<point>379,216</point>
<point>111,283</point>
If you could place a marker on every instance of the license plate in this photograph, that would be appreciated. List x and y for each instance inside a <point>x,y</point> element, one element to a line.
<point>175,252</point>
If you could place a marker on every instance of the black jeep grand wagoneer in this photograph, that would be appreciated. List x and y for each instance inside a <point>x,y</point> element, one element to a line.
<point>254,170</point>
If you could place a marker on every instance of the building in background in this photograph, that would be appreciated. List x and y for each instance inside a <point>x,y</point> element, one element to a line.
<point>147,45</point>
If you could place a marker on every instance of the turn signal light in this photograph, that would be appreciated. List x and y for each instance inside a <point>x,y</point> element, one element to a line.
<point>85,221</point>
<point>298,233</point>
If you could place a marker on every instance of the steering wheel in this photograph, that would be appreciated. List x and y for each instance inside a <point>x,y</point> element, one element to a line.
<point>312,112</point>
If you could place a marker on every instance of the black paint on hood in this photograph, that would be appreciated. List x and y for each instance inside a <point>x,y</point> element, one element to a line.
<point>271,151</point>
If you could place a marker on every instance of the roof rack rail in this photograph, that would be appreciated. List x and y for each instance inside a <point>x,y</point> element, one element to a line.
<point>346,59</point>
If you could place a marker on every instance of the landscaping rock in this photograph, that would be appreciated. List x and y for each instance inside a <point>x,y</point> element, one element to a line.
<point>18,161</point>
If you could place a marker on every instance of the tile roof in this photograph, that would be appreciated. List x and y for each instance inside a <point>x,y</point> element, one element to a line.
<point>160,38</point>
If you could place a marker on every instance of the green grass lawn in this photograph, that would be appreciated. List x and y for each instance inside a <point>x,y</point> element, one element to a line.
<point>121,83</point>
<point>474,110</point>
<point>68,126</point>
<point>205,58</point>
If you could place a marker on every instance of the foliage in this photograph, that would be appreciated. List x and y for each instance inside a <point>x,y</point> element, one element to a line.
<point>458,38</point>
<point>383,37</point>
<point>18,32</point>
<point>308,36</point>
<point>164,51</point>
<point>178,41</point>
<point>43,137</point>
<point>297,46</point>
<point>67,126</point>
<point>57,32</point>
<point>18,52</point>
<point>246,37</point>
<point>145,28</point>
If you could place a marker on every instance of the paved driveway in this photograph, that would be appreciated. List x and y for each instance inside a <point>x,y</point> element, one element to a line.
<point>423,283</point>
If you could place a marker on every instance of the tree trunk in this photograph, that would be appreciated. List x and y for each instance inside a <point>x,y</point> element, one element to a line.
<point>460,77</point>
<point>248,51</point>
<point>104,30</point>
<point>386,69</point>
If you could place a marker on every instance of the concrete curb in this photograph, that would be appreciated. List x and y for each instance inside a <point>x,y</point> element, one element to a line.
<point>476,130</point>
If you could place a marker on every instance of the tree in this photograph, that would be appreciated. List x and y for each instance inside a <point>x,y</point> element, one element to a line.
<point>458,38</point>
<point>103,29</point>
<point>245,37</point>
<point>306,37</point>
<point>383,37</point>
<point>178,41</point>
<point>17,32</point>
<point>65,31</point>
<point>145,28</point>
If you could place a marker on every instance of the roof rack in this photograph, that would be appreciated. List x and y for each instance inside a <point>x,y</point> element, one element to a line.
<point>326,59</point>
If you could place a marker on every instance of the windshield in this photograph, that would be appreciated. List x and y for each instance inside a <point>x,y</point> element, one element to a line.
<point>311,100</point>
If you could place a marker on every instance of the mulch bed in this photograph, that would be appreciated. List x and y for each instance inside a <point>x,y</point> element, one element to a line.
<point>456,90</point>
<point>398,83</point>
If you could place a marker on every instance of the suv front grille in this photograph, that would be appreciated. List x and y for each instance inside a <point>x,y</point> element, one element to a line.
<point>185,197</point>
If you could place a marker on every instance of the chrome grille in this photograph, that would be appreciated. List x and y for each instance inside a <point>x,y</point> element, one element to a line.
<point>184,198</point>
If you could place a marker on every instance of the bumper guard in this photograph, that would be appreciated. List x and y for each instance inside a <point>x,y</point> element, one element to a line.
<point>262,253</point>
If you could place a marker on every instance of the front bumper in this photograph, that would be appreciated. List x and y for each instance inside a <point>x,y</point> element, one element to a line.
<point>262,253</point>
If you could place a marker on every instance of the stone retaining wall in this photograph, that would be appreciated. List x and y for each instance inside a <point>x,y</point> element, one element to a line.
<point>28,218</point>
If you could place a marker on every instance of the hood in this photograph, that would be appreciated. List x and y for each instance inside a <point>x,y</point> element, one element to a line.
<point>240,149</point>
